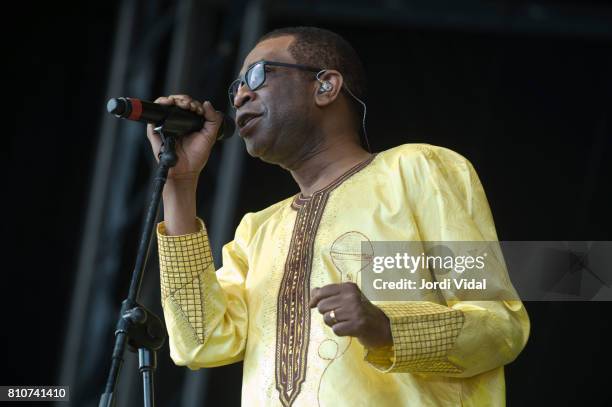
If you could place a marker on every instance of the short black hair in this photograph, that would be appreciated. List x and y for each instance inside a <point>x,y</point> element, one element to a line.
<point>320,47</point>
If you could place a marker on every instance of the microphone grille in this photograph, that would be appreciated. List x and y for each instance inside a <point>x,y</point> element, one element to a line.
<point>117,106</point>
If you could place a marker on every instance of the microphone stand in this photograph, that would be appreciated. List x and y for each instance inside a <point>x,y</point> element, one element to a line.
<point>137,327</point>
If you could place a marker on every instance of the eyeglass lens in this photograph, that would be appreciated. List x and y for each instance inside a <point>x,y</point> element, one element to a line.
<point>255,76</point>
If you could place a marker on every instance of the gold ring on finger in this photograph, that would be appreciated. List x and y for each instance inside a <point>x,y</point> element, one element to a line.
<point>332,315</point>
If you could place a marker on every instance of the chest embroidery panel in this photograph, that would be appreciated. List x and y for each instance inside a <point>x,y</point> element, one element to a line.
<point>293,313</point>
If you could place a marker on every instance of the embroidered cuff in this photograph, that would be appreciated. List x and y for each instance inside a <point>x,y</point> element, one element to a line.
<point>423,333</point>
<point>182,263</point>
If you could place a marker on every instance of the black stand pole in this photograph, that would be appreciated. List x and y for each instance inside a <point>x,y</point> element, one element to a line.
<point>138,327</point>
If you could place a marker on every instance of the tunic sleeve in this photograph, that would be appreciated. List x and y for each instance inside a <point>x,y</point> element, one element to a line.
<point>456,338</point>
<point>205,311</point>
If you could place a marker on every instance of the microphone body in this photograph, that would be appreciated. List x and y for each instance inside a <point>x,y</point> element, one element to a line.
<point>176,120</point>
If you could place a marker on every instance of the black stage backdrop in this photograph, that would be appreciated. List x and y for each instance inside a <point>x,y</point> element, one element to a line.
<point>532,113</point>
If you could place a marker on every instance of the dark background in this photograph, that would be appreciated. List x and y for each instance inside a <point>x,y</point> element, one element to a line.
<point>530,110</point>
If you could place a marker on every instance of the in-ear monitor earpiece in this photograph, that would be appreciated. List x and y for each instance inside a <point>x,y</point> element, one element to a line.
<point>326,86</point>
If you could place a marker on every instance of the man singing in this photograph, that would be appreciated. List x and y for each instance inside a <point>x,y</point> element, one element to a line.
<point>287,300</point>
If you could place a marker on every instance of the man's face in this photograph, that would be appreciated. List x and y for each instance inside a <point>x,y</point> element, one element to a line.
<point>282,129</point>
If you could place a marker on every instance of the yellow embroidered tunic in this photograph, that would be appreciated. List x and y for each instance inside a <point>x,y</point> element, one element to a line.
<point>255,308</point>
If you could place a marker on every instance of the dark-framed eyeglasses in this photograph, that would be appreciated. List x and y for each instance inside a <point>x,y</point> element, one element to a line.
<point>255,76</point>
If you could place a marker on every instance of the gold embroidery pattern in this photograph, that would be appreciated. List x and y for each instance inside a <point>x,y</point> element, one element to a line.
<point>351,252</point>
<point>423,334</point>
<point>182,263</point>
<point>293,313</point>
<point>331,358</point>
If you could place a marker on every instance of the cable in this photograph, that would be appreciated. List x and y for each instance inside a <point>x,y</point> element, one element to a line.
<point>365,109</point>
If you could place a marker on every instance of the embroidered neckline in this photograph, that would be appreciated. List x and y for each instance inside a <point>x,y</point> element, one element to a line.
<point>299,199</point>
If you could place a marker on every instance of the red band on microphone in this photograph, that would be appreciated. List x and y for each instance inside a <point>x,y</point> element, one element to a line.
<point>136,109</point>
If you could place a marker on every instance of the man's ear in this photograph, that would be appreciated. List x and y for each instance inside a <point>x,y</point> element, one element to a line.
<point>327,87</point>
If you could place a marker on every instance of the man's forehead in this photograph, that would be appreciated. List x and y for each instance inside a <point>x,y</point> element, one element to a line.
<point>273,49</point>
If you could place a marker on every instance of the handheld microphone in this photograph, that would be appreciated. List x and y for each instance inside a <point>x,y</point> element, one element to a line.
<point>179,121</point>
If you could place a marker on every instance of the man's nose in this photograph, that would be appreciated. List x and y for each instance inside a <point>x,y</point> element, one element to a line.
<point>243,95</point>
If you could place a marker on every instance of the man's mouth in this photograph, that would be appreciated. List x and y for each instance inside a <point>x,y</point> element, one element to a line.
<point>245,118</point>
<point>246,122</point>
